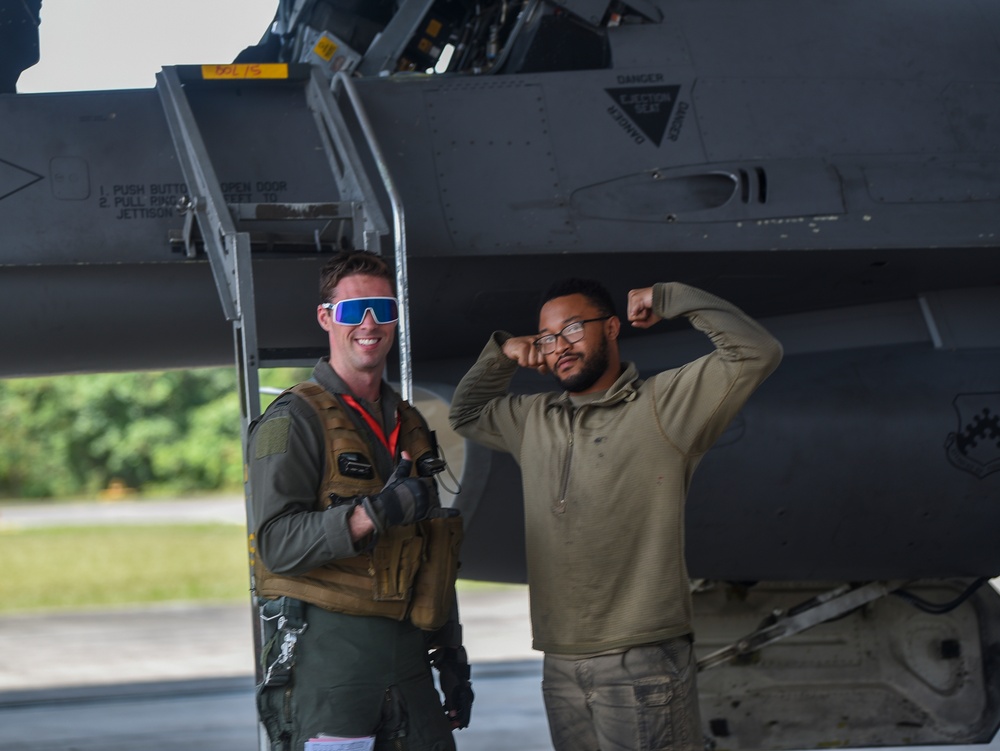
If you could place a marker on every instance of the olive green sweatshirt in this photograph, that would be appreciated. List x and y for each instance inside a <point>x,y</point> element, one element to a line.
<point>605,482</point>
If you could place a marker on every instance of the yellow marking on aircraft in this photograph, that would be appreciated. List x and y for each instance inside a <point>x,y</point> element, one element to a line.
<point>242,71</point>
<point>325,48</point>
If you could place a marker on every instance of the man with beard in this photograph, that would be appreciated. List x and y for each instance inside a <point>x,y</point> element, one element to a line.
<point>606,465</point>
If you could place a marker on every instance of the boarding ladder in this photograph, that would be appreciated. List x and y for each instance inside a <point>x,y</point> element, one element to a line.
<point>224,230</point>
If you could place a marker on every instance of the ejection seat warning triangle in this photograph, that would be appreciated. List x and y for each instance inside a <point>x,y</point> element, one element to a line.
<point>648,107</point>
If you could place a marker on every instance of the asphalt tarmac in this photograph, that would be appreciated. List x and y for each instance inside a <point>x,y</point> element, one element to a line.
<point>180,676</point>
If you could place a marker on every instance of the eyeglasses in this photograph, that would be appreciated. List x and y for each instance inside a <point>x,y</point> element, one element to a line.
<point>351,312</point>
<point>571,332</point>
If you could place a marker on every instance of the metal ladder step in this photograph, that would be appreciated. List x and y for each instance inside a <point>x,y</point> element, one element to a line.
<point>246,214</point>
<point>220,230</point>
<point>228,233</point>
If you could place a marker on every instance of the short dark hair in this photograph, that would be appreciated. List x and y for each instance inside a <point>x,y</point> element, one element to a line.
<point>348,263</point>
<point>594,291</point>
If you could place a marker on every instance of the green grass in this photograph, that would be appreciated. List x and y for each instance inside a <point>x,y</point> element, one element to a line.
<point>66,568</point>
<point>86,567</point>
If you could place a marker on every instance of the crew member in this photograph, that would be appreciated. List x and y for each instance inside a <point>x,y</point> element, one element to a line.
<point>606,464</point>
<point>355,559</point>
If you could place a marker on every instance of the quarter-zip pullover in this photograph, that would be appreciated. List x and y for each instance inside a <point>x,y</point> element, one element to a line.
<point>605,482</point>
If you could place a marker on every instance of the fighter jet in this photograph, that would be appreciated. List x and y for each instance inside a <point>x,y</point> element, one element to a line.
<point>831,168</point>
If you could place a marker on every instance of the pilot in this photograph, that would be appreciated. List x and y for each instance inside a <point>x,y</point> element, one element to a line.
<point>355,559</point>
<point>606,463</point>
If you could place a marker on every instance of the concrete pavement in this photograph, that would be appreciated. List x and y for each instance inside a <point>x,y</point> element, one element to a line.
<point>226,509</point>
<point>180,675</point>
<point>184,642</point>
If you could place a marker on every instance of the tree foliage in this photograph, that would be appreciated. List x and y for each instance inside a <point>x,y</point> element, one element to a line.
<point>167,431</point>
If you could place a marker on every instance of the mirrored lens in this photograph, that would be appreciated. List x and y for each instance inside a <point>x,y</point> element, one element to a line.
<point>352,312</point>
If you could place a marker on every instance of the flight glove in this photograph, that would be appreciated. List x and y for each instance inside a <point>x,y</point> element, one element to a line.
<point>454,675</point>
<point>403,500</point>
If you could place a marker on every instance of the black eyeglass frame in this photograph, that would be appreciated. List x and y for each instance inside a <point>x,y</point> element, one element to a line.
<point>562,332</point>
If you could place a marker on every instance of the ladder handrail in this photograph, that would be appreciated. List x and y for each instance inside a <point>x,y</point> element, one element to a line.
<point>197,169</point>
<point>398,228</point>
<point>345,162</point>
<point>228,250</point>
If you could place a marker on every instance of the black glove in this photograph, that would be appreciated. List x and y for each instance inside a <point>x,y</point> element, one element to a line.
<point>403,500</point>
<point>453,672</point>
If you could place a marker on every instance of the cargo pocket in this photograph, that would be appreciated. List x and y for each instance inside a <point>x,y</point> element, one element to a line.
<point>273,710</point>
<point>654,717</point>
<point>394,562</point>
<point>273,696</point>
<point>434,587</point>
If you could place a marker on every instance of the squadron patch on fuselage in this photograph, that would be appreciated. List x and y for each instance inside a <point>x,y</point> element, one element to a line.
<point>975,446</point>
<point>643,111</point>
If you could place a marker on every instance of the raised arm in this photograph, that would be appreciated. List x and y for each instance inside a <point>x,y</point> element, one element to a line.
<point>698,400</point>
<point>481,408</point>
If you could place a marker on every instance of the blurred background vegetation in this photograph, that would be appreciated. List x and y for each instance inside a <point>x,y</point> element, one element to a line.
<point>128,437</point>
<point>113,436</point>
<point>100,566</point>
<point>158,432</point>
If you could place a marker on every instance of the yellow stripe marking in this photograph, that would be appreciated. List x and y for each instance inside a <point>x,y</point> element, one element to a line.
<point>242,71</point>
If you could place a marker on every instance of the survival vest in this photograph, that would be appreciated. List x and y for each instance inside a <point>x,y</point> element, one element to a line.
<point>411,569</point>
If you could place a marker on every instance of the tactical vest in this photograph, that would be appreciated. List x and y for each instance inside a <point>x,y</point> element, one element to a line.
<point>411,569</point>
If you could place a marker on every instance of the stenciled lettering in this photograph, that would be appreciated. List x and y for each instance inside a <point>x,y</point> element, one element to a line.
<point>145,214</point>
<point>647,109</point>
<point>641,78</point>
<point>164,200</point>
<point>678,121</point>
<point>626,124</point>
<point>129,189</point>
<point>645,104</point>
<point>159,200</point>
<point>121,201</point>
<point>168,189</point>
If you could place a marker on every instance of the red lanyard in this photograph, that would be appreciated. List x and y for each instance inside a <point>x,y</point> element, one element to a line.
<point>391,441</point>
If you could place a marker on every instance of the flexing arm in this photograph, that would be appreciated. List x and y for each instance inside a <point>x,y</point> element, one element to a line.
<point>522,350</point>
<point>481,408</point>
<point>735,335</point>
<point>698,400</point>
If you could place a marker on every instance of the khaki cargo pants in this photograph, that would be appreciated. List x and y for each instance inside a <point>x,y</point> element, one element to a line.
<point>642,699</point>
